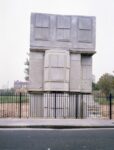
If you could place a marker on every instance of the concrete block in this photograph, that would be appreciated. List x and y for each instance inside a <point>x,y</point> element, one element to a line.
<point>86,80</point>
<point>65,42</point>
<point>56,70</point>
<point>36,71</point>
<point>75,72</point>
<point>76,33</point>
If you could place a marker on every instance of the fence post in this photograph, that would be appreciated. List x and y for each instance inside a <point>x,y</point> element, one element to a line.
<point>110,106</point>
<point>20,96</point>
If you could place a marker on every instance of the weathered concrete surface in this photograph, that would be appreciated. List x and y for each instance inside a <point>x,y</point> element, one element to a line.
<point>56,70</point>
<point>74,33</point>
<point>75,72</point>
<point>36,71</point>
<point>61,49</point>
<point>86,74</point>
<point>53,35</point>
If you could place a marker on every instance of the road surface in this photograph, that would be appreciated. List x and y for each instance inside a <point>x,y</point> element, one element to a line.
<point>59,139</point>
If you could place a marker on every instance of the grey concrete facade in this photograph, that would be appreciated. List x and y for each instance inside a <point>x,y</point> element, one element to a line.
<point>73,33</point>
<point>47,75</point>
<point>61,49</point>
<point>54,35</point>
<point>36,71</point>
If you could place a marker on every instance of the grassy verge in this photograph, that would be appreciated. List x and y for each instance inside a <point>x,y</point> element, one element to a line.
<point>103,101</point>
<point>13,99</point>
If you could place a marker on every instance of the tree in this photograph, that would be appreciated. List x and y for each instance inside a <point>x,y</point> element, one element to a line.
<point>26,69</point>
<point>105,83</point>
<point>95,86</point>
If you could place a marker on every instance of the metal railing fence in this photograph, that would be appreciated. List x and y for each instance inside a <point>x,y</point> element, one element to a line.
<point>56,105</point>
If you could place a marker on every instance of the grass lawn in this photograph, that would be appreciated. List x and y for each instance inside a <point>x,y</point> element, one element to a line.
<point>13,98</point>
<point>103,100</point>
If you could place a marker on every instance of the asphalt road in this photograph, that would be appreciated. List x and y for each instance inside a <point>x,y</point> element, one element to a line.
<point>86,139</point>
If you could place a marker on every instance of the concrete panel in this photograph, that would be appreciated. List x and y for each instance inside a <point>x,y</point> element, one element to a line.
<point>42,20</point>
<point>75,72</point>
<point>76,33</point>
<point>72,106</point>
<point>85,23</point>
<point>56,74</point>
<point>58,86</point>
<point>56,70</point>
<point>84,36</point>
<point>46,75</point>
<point>41,34</point>
<point>86,86</point>
<point>53,61</point>
<point>63,35</point>
<point>86,72</point>
<point>36,105</point>
<point>36,71</point>
<point>57,60</point>
<point>86,81</point>
<point>63,22</point>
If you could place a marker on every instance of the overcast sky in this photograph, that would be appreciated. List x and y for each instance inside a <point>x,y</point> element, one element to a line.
<point>15,33</point>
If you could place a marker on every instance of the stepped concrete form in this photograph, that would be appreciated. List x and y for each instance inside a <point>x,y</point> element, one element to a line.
<point>61,49</point>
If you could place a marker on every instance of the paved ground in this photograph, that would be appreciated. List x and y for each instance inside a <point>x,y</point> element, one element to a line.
<point>56,123</point>
<point>59,139</point>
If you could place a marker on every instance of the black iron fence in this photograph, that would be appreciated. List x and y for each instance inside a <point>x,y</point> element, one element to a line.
<point>56,105</point>
<point>14,105</point>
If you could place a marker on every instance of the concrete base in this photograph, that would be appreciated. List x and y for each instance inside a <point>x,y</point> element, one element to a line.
<point>36,105</point>
<point>62,105</point>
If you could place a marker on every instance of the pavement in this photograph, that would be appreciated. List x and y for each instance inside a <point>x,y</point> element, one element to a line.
<point>56,123</point>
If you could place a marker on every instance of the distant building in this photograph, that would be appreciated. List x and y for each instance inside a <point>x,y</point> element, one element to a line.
<point>20,86</point>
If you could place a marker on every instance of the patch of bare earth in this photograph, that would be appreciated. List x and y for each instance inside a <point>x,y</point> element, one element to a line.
<point>14,110</point>
<point>105,111</point>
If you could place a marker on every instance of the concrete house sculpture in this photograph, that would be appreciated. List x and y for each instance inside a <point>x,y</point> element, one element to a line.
<point>61,49</point>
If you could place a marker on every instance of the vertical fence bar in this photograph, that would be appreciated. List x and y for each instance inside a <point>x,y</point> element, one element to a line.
<point>76,102</point>
<point>55,104</point>
<point>20,97</point>
<point>81,106</point>
<point>110,106</point>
